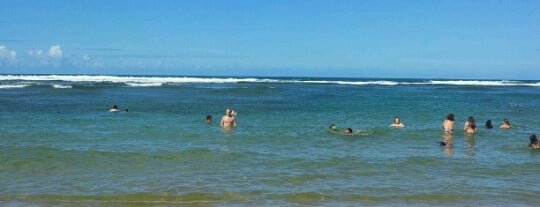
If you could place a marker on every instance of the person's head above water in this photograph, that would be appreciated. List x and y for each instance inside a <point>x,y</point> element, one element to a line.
<point>533,139</point>
<point>396,120</point>
<point>228,112</point>
<point>450,117</point>
<point>208,118</point>
<point>488,124</point>
<point>471,121</point>
<point>333,127</point>
<point>348,131</point>
<point>114,106</point>
<point>505,121</point>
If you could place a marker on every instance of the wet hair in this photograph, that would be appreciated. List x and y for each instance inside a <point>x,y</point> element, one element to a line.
<point>114,106</point>
<point>208,116</point>
<point>397,117</point>
<point>332,126</point>
<point>533,139</point>
<point>488,124</point>
<point>472,123</point>
<point>506,121</point>
<point>126,109</point>
<point>349,130</point>
<point>450,117</point>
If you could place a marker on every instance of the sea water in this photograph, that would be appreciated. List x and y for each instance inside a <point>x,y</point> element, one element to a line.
<point>59,145</point>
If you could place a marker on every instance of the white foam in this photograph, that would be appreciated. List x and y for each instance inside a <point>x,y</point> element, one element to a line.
<point>156,81</point>
<point>144,84</point>
<point>61,86</point>
<point>482,83</point>
<point>13,86</point>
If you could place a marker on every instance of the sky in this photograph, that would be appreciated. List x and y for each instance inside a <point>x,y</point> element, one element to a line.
<point>388,39</point>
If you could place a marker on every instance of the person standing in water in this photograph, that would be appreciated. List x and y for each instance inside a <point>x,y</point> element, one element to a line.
<point>470,126</point>
<point>448,124</point>
<point>228,120</point>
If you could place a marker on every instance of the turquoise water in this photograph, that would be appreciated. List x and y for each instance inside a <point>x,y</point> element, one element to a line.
<point>59,145</point>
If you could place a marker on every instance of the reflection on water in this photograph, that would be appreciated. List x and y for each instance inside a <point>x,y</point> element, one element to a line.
<point>469,146</point>
<point>448,147</point>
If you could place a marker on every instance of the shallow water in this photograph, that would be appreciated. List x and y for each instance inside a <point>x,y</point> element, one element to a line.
<point>60,147</point>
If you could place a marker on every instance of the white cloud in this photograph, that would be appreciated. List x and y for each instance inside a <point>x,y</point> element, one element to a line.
<point>55,51</point>
<point>7,54</point>
<point>7,57</point>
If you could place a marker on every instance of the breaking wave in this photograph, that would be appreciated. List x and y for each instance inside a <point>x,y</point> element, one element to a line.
<point>13,81</point>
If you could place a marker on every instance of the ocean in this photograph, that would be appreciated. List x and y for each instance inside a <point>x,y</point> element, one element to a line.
<point>59,145</point>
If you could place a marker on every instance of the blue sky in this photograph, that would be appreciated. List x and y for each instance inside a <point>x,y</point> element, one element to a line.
<point>392,39</point>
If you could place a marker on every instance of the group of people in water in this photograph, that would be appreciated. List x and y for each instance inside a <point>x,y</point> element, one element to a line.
<point>448,124</point>
<point>229,120</point>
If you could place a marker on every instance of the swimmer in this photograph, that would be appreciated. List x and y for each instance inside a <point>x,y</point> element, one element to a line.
<point>114,108</point>
<point>470,125</point>
<point>228,119</point>
<point>397,123</point>
<point>126,110</point>
<point>208,119</point>
<point>448,124</point>
<point>488,124</point>
<point>348,131</point>
<point>333,128</point>
<point>534,142</point>
<point>506,124</point>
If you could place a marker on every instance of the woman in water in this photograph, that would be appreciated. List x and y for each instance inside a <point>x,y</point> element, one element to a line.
<point>397,122</point>
<point>506,124</point>
<point>534,142</point>
<point>448,124</point>
<point>488,124</point>
<point>228,119</point>
<point>114,108</point>
<point>470,126</point>
<point>348,131</point>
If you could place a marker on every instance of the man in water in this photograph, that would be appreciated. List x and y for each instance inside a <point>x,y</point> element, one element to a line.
<point>228,119</point>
